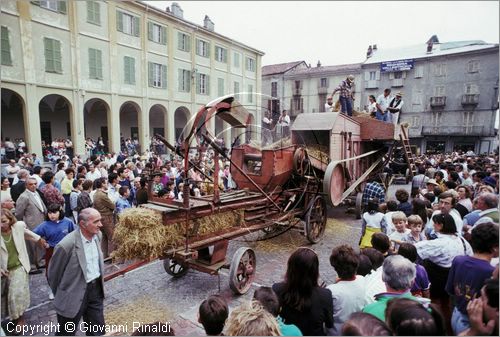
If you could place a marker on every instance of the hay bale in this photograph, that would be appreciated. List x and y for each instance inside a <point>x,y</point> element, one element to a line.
<point>141,234</point>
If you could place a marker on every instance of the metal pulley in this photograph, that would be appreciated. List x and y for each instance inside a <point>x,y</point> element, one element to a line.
<point>334,182</point>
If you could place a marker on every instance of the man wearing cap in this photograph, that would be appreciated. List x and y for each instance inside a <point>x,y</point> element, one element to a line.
<point>346,94</point>
<point>329,104</point>
<point>395,108</point>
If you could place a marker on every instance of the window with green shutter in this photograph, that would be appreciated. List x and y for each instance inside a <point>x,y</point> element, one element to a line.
<point>157,75</point>
<point>127,23</point>
<point>250,93</point>
<point>236,60</point>
<point>183,42</point>
<point>157,33</point>
<point>237,90</point>
<point>220,54</point>
<point>6,58</point>
<point>129,70</point>
<point>53,62</point>
<point>94,12</point>
<point>203,84</point>
<point>184,79</point>
<point>53,5</point>
<point>220,87</point>
<point>95,64</point>
<point>202,48</point>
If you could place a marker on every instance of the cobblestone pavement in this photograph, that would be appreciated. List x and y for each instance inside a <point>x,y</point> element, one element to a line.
<point>148,294</point>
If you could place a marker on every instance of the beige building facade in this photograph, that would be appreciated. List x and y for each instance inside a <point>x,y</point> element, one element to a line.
<point>108,69</point>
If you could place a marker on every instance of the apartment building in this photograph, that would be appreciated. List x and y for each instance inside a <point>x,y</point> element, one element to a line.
<point>108,69</point>
<point>450,91</point>
<point>300,88</point>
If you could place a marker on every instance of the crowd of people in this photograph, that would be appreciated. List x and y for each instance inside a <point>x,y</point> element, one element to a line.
<point>427,261</point>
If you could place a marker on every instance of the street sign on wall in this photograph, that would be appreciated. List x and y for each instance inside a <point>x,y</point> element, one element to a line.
<point>398,65</point>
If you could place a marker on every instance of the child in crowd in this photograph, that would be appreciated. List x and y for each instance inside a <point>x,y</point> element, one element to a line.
<point>415,224</point>
<point>400,221</point>
<point>404,206</point>
<point>421,285</point>
<point>349,290</point>
<point>372,223</point>
<point>53,230</point>
<point>122,203</point>
<point>269,300</point>
<point>212,314</point>
<point>392,206</point>
<point>382,243</point>
<point>73,198</point>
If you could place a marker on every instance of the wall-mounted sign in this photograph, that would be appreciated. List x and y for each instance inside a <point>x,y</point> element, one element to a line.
<point>398,65</point>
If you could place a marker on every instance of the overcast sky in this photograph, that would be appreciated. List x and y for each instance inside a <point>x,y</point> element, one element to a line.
<point>339,32</point>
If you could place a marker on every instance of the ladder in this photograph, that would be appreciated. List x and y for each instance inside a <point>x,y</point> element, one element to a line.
<point>403,136</point>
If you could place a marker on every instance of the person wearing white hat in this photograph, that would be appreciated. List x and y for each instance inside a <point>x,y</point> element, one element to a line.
<point>346,94</point>
<point>395,108</point>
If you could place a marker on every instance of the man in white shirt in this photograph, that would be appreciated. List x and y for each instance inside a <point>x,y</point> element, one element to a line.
<point>77,283</point>
<point>284,122</point>
<point>266,129</point>
<point>383,101</point>
<point>93,174</point>
<point>446,206</point>
<point>329,106</point>
<point>395,108</point>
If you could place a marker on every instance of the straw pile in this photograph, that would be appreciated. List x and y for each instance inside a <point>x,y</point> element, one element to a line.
<point>318,151</point>
<point>141,234</point>
<point>284,142</point>
<point>143,310</point>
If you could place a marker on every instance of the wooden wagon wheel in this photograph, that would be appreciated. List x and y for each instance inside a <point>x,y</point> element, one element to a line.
<point>175,268</point>
<point>315,220</point>
<point>300,161</point>
<point>242,270</point>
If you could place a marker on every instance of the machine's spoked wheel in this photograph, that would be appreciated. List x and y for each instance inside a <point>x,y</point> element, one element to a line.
<point>315,220</point>
<point>242,270</point>
<point>300,161</point>
<point>175,268</point>
<point>359,205</point>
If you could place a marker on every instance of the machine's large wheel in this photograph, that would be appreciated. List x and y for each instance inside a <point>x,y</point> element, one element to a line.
<point>315,220</point>
<point>334,183</point>
<point>242,270</point>
<point>300,161</point>
<point>359,205</point>
<point>175,268</point>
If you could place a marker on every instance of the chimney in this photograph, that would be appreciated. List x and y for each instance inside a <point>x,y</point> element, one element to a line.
<point>374,47</point>
<point>369,52</point>
<point>208,24</point>
<point>429,47</point>
<point>177,10</point>
<point>319,64</point>
<point>167,9</point>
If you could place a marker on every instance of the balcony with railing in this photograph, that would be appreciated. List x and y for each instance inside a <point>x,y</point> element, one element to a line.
<point>397,82</point>
<point>297,91</point>
<point>438,101</point>
<point>371,84</point>
<point>470,99</point>
<point>457,130</point>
